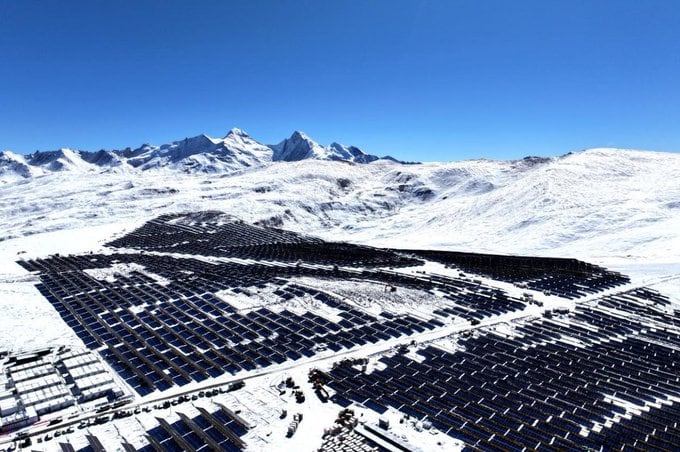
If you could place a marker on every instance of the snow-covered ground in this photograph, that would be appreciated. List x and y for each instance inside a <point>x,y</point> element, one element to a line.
<point>594,204</point>
<point>614,208</point>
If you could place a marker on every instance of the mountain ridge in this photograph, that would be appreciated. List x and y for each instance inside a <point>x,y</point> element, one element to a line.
<point>234,152</point>
<point>600,202</point>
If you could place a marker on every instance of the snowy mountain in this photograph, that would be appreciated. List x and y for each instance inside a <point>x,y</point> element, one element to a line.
<point>351,153</point>
<point>14,166</point>
<point>300,147</point>
<point>203,154</point>
<point>235,152</point>
<point>595,204</point>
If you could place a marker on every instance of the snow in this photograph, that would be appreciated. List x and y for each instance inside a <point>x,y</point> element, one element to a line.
<point>609,207</point>
<point>615,208</point>
<point>28,321</point>
<point>14,166</point>
<point>595,205</point>
<point>297,147</point>
<point>236,152</point>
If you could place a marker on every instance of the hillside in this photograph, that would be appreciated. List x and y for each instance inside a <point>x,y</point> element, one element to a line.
<point>592,204</point>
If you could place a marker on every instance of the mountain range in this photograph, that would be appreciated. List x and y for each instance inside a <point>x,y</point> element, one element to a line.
<point>234,152</point>
<point>595,204</point>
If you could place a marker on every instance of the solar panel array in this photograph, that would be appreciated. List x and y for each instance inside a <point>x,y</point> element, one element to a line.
<point>590,379</point>
<point>568,278</point>
<point>208,431</point>
<point>171,233</point>
<point>157,336</point>
<point>606,374</point>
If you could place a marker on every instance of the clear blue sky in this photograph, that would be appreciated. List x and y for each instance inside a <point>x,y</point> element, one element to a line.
<point>420,80</point>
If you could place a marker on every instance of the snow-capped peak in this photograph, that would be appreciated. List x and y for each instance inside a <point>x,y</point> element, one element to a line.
<point>201,153</point>
<point>63,159</point>
<point>9,155</point>
<point>236,132</point>
<point>300,135</point>
<point>14,166</point>
<point>341,152</point>
<point>300,147</point>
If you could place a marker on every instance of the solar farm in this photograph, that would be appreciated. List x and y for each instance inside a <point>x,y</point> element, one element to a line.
<point>200,332</point>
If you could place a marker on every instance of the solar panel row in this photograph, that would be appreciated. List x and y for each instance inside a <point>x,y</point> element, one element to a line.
<point>538,390</point>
